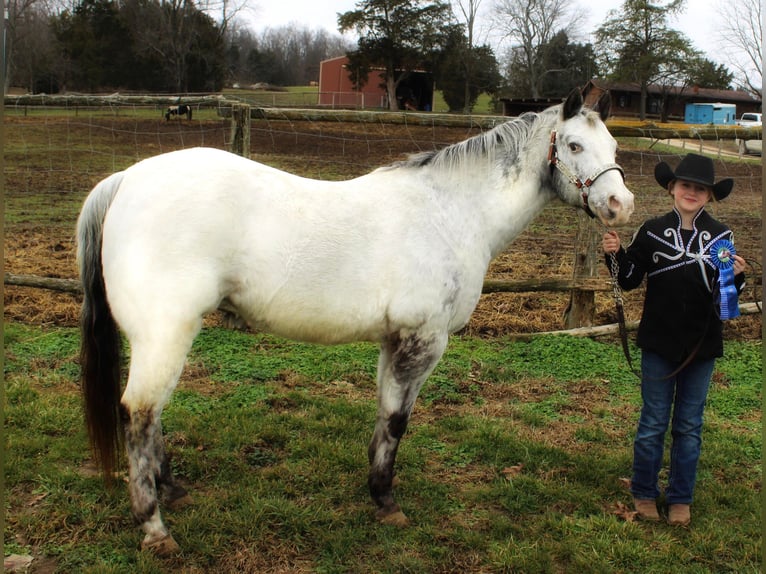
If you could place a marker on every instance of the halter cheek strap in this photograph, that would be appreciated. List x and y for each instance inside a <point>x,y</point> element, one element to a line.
<point>555,162</point>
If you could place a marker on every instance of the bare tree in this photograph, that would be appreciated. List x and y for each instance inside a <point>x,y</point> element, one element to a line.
<point>530,24</point>
<point>28,45</point>
<point>740,32</point>
<point>469,10</point>
<point>224,12</point>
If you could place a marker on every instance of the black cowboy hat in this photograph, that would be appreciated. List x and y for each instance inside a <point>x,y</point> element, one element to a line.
<point>696,168</point>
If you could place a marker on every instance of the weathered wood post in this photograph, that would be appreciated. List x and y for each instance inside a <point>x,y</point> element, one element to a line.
<point>581,310</point>
<point>240,130</point>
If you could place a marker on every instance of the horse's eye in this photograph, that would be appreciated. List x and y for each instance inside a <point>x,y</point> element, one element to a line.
<point>575,147</point>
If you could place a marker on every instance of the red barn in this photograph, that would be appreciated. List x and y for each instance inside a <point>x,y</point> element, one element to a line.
<point>337,90</point>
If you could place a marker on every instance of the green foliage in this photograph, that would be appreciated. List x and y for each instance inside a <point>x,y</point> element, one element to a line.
<point>149,46</point>
<point>464,72</point>
<point>511,462</point>
<point>93,38</point>
<point>708,74</point>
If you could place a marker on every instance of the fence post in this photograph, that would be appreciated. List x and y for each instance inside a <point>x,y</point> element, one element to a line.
<point>240,130</point>
<point>581,310</point>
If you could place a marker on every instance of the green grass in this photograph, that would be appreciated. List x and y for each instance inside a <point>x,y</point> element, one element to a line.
<point>270,436</point>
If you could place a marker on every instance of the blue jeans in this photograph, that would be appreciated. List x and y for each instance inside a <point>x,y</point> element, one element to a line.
<point>685,393</point>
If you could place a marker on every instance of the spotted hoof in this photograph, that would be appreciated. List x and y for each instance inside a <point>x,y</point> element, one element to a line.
<point>165,546</point>
<point>392,516</point>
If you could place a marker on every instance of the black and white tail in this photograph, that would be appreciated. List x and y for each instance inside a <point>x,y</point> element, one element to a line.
<point>100,347</point>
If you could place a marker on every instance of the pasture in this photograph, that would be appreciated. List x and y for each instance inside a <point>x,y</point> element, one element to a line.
<point>517,451</point>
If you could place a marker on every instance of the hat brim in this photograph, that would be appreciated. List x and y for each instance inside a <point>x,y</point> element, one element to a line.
<point>722,189</point>
<point>664,174</point>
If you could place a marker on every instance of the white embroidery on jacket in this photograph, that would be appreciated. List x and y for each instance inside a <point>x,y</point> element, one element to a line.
<point>680,254</point>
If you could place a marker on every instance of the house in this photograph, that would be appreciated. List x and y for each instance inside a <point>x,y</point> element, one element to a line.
<point>518,106</point>
<point>626,99</point>
<point>338,91</point>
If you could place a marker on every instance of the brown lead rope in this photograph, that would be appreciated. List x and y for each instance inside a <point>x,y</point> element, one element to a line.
<point>614,269</point>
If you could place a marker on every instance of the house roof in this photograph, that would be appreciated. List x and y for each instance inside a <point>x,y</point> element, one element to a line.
<point>688,91</point>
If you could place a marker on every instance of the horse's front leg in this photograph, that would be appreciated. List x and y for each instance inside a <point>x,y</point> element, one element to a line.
<point>406,360</point>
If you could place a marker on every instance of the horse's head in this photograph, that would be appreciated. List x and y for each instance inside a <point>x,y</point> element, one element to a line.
<point>582,161</point>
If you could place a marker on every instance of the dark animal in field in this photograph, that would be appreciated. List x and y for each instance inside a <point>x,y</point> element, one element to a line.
<point>179,110</point>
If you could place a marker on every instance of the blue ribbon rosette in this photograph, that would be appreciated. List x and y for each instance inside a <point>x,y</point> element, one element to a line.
<point>722,255</point>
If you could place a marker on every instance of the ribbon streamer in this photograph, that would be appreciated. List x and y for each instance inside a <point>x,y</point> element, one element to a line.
<point>722,255</point>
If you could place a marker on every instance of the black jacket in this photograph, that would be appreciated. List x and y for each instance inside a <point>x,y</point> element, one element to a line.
<point>681,307</point>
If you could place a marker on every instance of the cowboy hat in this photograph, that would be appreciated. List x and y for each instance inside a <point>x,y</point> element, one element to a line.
<point>695,168</point>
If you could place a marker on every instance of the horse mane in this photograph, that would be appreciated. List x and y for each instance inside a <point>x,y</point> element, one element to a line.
<point>508,137</point>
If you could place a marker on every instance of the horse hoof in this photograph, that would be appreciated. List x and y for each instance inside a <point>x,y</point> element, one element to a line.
<point>392,517</point>
<point>165,546</point>
<point>179,503</point>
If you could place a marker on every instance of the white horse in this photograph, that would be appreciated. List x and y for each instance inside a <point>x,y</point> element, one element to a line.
<point>397,257</point>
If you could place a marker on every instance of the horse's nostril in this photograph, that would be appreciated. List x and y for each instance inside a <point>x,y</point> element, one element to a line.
<point>614,203</point>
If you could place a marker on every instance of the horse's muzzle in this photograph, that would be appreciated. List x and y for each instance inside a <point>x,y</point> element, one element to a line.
<point>617,210</point>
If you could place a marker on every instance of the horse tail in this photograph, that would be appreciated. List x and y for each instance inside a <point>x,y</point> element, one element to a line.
<point>100,347</point>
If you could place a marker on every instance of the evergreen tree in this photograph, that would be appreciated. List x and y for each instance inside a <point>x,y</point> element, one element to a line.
<point>451,69</point>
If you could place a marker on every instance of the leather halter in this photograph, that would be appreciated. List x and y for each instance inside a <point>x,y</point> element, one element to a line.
<point>555,162</point>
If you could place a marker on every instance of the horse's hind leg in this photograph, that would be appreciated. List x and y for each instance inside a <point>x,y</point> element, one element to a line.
<point>406,360</point>
<point>155,367</point>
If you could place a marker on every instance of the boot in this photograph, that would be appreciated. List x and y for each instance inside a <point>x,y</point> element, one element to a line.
<point>679,515</point>
<point>647,509</point>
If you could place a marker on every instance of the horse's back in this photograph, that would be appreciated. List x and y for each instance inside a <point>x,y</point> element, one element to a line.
<point>313,260</point>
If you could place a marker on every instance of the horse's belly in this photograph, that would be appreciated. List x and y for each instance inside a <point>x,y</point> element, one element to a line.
<point>312,320</point>
<point>328,310</point>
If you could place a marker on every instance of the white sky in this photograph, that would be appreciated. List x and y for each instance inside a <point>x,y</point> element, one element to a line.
<point>697,23</point>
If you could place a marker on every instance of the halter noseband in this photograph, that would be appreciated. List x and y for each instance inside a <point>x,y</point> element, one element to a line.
<point>555,162</point>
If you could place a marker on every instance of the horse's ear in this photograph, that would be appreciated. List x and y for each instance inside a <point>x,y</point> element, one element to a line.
<point>604,106</point>
<point>572,105</point>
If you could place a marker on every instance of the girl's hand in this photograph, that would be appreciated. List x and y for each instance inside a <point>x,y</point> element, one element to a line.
<point>610,242</point>
<point>739,265</point>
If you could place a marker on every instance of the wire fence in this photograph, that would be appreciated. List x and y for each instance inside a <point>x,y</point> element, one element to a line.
<point>56,150</point>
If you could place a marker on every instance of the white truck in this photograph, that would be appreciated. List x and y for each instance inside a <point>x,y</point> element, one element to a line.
<point>750,119</point>
<point>750,146</point>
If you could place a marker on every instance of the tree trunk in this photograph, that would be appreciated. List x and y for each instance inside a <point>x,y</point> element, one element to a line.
<point>644,98</point>
<point>393,103</point>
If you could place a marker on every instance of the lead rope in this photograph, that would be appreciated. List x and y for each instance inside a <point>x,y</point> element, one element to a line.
<point>614,269</point>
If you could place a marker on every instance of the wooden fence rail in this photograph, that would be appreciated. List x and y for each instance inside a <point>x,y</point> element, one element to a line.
<point>74,287</point>
<point>225,104</point>
<point>490,285</point>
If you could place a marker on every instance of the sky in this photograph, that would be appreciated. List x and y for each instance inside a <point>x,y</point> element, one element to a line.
<point>697,23</point>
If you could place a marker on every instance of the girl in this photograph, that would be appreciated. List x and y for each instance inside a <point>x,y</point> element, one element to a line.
<point>680,333</point>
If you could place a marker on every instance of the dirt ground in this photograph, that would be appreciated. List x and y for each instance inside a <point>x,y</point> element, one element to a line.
<point>325,150</point>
